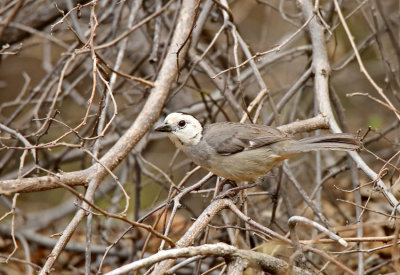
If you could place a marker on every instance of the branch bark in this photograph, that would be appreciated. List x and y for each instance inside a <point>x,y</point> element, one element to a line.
<point>322,70</point>
<point>142,124</point>
<point>257,260</point>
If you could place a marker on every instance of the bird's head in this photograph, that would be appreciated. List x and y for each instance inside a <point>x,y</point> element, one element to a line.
<point>181,127</point>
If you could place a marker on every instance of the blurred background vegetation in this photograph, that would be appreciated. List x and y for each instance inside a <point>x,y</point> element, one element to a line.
<point>47,88</point>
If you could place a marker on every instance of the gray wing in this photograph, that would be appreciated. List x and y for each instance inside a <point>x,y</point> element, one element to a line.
<point>229,138</point>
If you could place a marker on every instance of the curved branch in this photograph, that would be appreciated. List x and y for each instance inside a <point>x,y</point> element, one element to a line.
<point>142,124</point>
<point>322,71</point>
<point>253,259</point>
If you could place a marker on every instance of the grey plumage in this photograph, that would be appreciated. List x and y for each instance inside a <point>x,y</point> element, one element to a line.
<point>339,142</point>
<point>243,152</point>
<point>229,137</point>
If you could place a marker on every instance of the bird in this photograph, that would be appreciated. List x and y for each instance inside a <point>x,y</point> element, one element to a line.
<point>243,152</point>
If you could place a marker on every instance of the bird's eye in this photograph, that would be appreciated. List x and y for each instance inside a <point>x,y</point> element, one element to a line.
<point>181,123</point>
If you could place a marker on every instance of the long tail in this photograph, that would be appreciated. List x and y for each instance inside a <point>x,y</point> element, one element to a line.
<point>340,142</point>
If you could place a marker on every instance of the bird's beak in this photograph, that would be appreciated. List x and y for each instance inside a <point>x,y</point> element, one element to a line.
<point>163,128</point>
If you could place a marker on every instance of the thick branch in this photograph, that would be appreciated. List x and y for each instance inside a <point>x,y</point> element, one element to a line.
<point>257,260</point>
<point>322,71</point>
<point>142,124</point>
